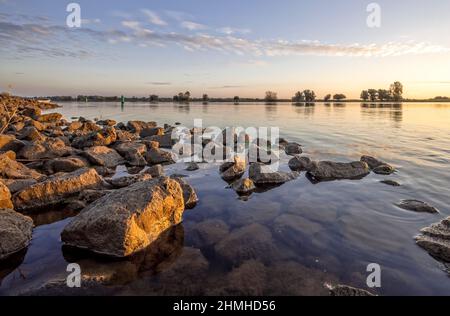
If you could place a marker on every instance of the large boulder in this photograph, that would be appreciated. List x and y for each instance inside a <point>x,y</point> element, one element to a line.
<point>328,170</point>
<point>104,137</point>
<point>47,149</point>
<point>138,126</point>
<point>56,190</point>
<point>148,132</point>
<point>293,149</point>
<point>65,164</point>
<point>122,182</point>
<point>189,195</point>
<point>50,118</point>
<point>262,174</point>
<point>103,156</point>
<point>133,152</point>
<point>5,196</point>
<point>165,141</point>
<point>11,169</point>
<point>299,163</point>
<point>436,240</point>
<point>128,220</point>
<point>9,142</point>
<point>15,232</point>
<point>233,170</point>
<point>156,156</point>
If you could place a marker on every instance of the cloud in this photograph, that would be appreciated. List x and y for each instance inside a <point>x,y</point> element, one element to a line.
<point>90,21</point>
<point>192,26</point>
<point>231,30</point>
<point>154,18</point>
<point>158,83</point>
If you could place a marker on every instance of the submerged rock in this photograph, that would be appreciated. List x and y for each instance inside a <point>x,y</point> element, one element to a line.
<point>5,197</point>
<point>436,240</point>
<point>328,170</point>
<point>127,220</point>
<point>246,243</point>
<point>299,163</point>
<point>344,290</point>
<point>208,232</point>
<point>378,166</point>
<point>262,174</point>
<point>417,206</point>
<point>391,183</point>
<point>233,170</point>
<point>56,190</point>
<point>192,166</point>
<point>293,149</point>
<point>15,232</point>
<point>103,156</point>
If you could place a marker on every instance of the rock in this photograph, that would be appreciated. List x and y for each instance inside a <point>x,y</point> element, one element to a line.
<point>50,118</point>
<point>233,170</point>
<point>155,171</point>
<point>384,170</point>
<point>344,290</point>
<point>104,156</point>
<point>5,197</point>
<point>150,144</point>
<point>189,194</point>
<point>123,182</point>
<point>9,142</point>
<point>15,232</point>
<point>18,185</point>
<point>74,126</point>
<point>89,196</point>
<point>11,169</point>
<point>147,132</point>
<point>133,152</point>
<point>208,232</point>
<point>249,279</point>
<point>436,240</point>
<point>377,166</point>
<point>9,154</point>
<point>31,133</point>
<point>105,137</point>
<point>138,126</point>
<point>293,149</point>
<point>246,243</point>
<point>66,164</point>
<point>125,136</point>
<point>391,183</point>
<point>295,230</point>
<point>157,156</point>
<point>417,206</point>
<point>56,190</point>
<point>128,220</point>
<point>262,174</point>
<point>243,186</point>
<point>164,141</point>
<point>48,149</point>
<point>328,170</point>
<point>299,163</point>
<point>192,166</point>
<point>107,122</point>
<point>32,111</point>
<point>37,125</point>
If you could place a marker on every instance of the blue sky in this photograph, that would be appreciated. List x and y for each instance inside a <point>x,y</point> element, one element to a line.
<point>224,48</point>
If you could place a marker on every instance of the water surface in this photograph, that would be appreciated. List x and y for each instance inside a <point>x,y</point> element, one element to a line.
<point>300,235</point>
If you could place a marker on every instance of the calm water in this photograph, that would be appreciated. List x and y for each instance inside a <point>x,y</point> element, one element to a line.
<point>299,235</point>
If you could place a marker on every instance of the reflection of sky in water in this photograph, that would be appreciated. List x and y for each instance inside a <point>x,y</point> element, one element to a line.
<point>305,234</point>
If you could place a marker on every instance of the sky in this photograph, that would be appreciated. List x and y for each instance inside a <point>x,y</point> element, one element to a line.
<point>224,47</point>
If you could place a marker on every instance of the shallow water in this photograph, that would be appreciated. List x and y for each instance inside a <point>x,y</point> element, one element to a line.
<point>289,240</point>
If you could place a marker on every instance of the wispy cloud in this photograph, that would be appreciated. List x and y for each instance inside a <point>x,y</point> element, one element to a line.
<point>192,26</point>
<point>154,18</point>
<point>232,30</point>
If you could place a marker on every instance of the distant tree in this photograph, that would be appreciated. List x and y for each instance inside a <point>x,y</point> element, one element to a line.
<point>339,97</point>
<point>384,95</point>
<point>327,97</point>
<point>176,98</point>
<point>205,98</point>
<point>365,95</point>
<point>373,94</point>
<point>396,90</point>
<point>310,96</point>
<point>154,98</point>
<point>298,97</point>
<point>187,96</point>
<point>271,96</point>
<point>236,99</point>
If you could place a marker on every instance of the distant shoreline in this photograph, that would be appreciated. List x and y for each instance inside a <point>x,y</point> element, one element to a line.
<point>255,101</point>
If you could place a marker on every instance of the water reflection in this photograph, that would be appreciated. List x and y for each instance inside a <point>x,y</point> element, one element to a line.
<point>393,111</point>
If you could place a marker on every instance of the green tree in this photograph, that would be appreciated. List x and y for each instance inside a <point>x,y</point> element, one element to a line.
<point>339,97</point>
<point>327,97</point>
<point>396,90</point>
<point>271,96</point>
<point>236,99</point>
<point>310,96</point>
<point>154,98</point>
<point>298,97</point>
<point>384,95</point>
<point>373,94</point>
<point>205,98</point>
<point>364,95</point>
